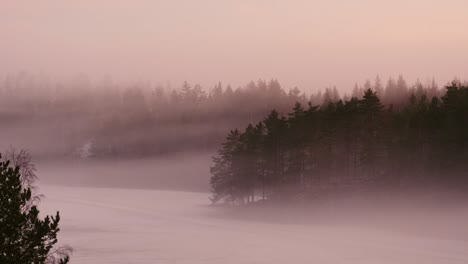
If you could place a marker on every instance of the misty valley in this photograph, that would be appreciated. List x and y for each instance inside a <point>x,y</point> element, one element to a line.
<point>256,174</point>
<point>233,132</point>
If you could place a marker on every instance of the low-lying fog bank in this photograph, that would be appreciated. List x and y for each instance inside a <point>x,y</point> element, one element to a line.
<point>434,213</point>
<point>149,226</point>
<point>185,171</point>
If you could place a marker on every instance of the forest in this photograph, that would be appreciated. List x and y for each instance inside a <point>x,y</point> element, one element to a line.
<point>288,143</point>
<point>109,120</point>
<point>103,119</point>
<point>383,139</point>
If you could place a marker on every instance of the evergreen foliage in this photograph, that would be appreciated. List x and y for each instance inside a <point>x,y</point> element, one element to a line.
<point>24,237</point>
<point>354,143</point>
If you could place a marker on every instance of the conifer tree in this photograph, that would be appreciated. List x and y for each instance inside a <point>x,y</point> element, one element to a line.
<point>24,237</point>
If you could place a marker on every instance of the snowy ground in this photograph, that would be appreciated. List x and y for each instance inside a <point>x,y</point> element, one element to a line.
<point>149,226</point>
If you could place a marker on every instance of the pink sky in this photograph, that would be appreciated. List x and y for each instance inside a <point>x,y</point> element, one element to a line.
<point>311,44</point>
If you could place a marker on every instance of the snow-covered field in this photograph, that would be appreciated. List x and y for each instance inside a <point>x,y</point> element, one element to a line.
<point>149,226</point>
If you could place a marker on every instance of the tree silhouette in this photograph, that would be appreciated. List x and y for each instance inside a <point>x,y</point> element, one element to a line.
<point>25,238</point>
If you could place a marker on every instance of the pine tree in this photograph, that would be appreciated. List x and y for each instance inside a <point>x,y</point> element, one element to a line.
<point>275,126</point>
<point>371,109</point>
<point>225,180</point>
<point>295,142</point>
<point>25,237</point>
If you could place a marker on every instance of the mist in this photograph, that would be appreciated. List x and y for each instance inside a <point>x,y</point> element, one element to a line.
<point>147,226</point>
<point>233,131</point>
<point>135,168</point>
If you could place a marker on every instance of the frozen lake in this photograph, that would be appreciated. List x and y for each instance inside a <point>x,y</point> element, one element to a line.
<point>149,226</point>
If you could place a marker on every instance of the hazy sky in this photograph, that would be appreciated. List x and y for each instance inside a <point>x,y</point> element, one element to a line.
<point>308,43</point>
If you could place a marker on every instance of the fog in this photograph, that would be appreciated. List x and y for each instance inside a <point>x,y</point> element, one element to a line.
<point>257,174</point>
<point>147,226</point>
<point>187,171</point>
<point>240,131</point>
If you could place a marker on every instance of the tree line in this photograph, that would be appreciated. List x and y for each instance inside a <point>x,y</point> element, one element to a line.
<point>106,119</point>
<point>347,144</point>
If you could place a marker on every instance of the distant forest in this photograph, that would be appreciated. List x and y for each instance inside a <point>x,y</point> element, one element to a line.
<point>379,138</point>
<point>104,119</point>
<point>80,118</point>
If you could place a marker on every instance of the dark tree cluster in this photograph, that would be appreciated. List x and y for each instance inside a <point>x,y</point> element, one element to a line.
<point>346,144</point>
